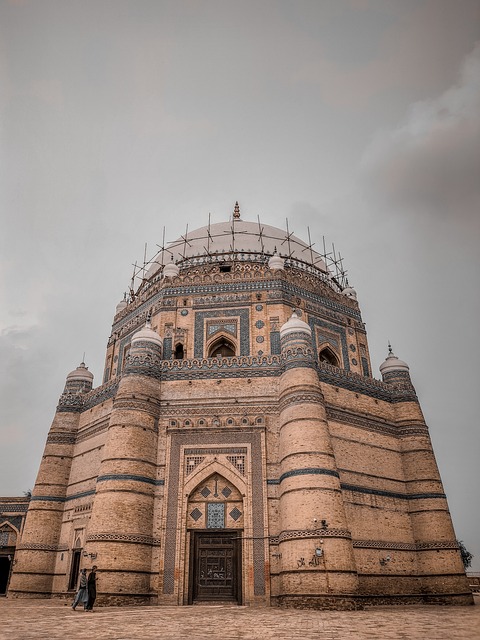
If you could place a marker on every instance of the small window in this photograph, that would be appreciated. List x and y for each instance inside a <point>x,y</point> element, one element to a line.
<point>179,353</point>
<point>225,268</point>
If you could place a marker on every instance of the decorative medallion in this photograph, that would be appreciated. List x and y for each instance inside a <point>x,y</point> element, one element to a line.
<point>353,347</point>
<point>184,312</point>
<point>354,361</point>
<point>259,338</point>
<point>259,307</point>
<point>259,324</point>
<point>226,491</point>
<point>205,492</point>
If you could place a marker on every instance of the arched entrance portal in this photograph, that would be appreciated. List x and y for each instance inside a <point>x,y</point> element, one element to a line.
<point>215,520</point>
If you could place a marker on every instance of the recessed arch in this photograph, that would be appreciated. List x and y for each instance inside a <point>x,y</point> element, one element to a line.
<point>179,352</point>
<point>327,355</point>
<point>222,347</point>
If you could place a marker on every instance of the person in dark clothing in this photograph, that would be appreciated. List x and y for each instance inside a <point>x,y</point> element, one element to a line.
<point>92,588</point>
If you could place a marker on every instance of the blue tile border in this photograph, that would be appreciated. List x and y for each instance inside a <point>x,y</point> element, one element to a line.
<point>308,471</point>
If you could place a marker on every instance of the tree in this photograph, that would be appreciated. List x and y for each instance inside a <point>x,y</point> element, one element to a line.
<point>466,555</point>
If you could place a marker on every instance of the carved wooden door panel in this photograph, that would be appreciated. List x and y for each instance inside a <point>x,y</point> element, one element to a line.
<point>215,565</point>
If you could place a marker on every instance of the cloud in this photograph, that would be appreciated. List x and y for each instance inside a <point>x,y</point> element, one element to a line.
<point>430,162</point>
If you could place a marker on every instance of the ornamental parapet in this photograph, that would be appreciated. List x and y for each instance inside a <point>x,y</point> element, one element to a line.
<point>234,367</point>
<point>70,403</point>
<point>398,392</point>
<point>100,394</point>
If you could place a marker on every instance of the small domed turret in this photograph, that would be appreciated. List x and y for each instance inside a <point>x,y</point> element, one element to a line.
<point>293,325</point>
<point>276,263</point>
<point>120,306</point>
<point>147,334</point>
<point>350,293</point>
<point>80,380</point>
<point>170,270</point>
<point>392,364</point>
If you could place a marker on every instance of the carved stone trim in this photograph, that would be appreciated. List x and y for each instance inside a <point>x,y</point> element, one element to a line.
<point>37,546</point>
<point>61,438</point>
<point>296,534</point>
<point>293,397</point>
<point>124,537</point>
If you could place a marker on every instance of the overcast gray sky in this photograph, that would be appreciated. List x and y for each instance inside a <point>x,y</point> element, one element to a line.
<point>357,118</point>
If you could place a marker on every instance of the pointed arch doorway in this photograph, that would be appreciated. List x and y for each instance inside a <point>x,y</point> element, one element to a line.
<point>215,513</point>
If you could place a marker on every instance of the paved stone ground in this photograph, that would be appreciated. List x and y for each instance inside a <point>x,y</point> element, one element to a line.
<point>39,619</point>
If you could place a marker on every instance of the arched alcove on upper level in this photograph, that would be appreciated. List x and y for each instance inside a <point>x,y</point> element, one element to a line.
<point>179,353</point>
<point>327,355</point>
<point>222,347</point>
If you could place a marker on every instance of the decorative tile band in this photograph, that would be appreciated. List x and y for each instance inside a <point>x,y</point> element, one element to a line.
<point>297,534</point>
<point>13,508</point>
<point>391,494</point>
<point>308,471</point>
<point>357,489</point>
<point>124,537</point>
<point>405,546</point>
<point>61,438</point>
<point>82,494</point>
<point>127,476</point>
<point>47,499</point>
<point>37,546</point>
<point>290,398</point>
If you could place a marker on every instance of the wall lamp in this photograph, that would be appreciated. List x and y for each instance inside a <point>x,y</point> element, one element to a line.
<point>91,555</point>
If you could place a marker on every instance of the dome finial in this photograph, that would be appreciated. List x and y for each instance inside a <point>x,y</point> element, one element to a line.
<point>390,350</point>
<point>236,211</point>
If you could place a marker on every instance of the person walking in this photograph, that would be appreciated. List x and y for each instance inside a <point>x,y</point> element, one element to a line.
<point>92,588</point>
<point>82,592</point>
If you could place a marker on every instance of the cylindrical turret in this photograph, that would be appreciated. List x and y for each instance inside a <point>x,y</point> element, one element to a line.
<point>123,508</point>
<point>432,528</point>
<point>36,554</point>
<point>315,543</point>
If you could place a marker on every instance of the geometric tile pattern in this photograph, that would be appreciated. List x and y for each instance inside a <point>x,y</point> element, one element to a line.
<point>235,513</point>
<point>196,514</point>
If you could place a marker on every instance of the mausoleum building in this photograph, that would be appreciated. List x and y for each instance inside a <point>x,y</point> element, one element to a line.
<point>239,448</point>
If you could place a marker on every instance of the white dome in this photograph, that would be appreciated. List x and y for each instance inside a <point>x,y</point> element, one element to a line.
<point>80,373</point>
<point>239,236</point>
<point>170,270</point>
<point>294,324</point>
<point>276,263</point>
<point>147,333</point>
<point>350,293</point>
<point>120,306</point>
<point>392,363</point>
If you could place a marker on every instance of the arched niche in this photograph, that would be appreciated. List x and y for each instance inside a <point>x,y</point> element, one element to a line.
<point>222,347</point>
<point>327,355</point>
<point>216,502</point>
<point>179,352</point>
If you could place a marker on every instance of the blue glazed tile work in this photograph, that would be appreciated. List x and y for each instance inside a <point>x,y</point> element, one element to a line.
<point>275,348</point>
<point>167,348</point>
<point>201,316</point>
<point>340,331</point>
